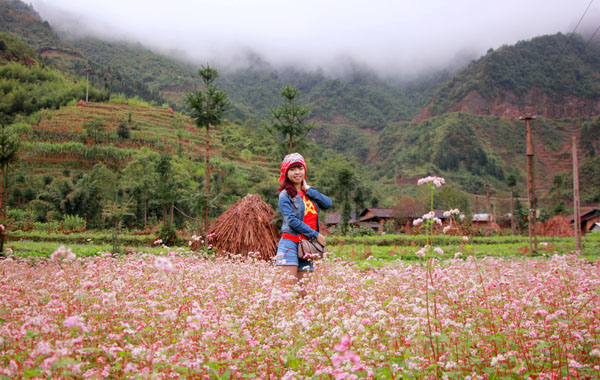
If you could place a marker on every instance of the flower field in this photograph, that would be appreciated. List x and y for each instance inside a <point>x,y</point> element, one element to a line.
<point>184,316</point>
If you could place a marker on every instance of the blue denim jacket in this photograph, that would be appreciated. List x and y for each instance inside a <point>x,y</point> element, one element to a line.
<point>293,217</point>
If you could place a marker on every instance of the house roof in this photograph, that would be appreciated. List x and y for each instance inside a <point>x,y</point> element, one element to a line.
<point>480,218</point>
<point>370,225</point>
<point>585,212</point>
<point>379,212</point>
<point>336,218</point>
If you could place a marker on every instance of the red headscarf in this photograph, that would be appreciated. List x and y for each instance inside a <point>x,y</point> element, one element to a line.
<point>288,161</point>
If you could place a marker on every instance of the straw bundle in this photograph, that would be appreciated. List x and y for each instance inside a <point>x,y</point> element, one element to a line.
<point>246,227</point>
<point>558,226</point>
<point>492,229</point>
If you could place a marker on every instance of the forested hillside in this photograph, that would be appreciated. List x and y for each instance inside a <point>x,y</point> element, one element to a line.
<point>27,86</point>
<point>464,126</point>
<point>554,76</point>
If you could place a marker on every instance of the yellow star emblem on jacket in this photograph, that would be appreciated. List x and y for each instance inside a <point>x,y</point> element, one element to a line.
<point>309,207</point>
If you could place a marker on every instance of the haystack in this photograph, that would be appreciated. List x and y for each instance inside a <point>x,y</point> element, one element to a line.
<point>558,226</point>
<point>246,227</point>
<point>492,229</point>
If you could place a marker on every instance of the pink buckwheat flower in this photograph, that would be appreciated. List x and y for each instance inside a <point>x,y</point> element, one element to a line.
<point>164,264</point>
<point>73,322</point>
<point>344,344</point>
<point>62,253</point>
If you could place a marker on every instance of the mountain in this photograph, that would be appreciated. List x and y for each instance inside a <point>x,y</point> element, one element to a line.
<point>553,76</point>
<point>463,126</point>
<point>22,20</point>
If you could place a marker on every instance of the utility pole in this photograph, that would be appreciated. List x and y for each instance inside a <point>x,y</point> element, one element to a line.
<point>577,211</point>
<point>530,186</point>
<point>87,81</point>
<point>512,214</point>
<point>489,211</point>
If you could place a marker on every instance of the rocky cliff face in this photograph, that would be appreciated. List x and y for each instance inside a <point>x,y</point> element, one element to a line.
<point>510,106</point>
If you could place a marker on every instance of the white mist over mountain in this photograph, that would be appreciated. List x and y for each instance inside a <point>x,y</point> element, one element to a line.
<point>394,38</point>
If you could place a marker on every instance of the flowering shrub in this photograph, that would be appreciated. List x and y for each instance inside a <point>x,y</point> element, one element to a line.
<point>142,316</point>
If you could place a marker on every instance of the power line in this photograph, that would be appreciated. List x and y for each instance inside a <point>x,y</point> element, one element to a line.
<point>593,35</point>
<point>582,16</point>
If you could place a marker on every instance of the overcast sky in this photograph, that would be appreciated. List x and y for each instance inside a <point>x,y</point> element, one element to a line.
<point>394,37</point>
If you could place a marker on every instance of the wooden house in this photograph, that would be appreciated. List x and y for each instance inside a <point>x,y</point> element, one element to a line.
<point>589,217</point>
<point>334,219</point>
<point>375,218</point>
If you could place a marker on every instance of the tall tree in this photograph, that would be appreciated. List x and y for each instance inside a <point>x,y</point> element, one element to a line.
<point>166,188</point>
<point>9,148</point>
<point>289,118</point>
<point>346,184</point>
<point>207,105</point>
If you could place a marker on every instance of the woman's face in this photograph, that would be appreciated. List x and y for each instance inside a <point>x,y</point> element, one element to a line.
<point>296,174</point>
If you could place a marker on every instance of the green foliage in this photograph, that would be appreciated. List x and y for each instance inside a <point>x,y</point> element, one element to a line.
<point>589,140</point>
<point>168,235</point>
<point>524,67</point>
<point>123,131</point>
<point>589,181</point>
<point>471,150</point>
<point>28,89</point>
<point>13,49</point>
<point>288,125</point>
<point>73,222</point>
<point>208,104</point>
<point>121,98</point>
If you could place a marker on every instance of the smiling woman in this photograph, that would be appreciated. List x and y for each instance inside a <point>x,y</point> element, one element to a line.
<point>299,205</point>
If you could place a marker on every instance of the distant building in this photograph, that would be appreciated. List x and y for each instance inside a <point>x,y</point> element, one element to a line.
<point>589,217</point>
<point>480,220</point>
<point>334,219</point>
<point>375,218</point>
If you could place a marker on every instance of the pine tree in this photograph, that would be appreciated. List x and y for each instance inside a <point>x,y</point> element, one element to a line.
<point>289,118</point>
<point>207,106</point>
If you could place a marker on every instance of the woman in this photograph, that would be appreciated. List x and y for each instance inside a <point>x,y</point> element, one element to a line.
<point>299,205</point>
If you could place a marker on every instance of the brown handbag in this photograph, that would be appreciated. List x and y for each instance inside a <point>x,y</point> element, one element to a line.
<point>311,250</point>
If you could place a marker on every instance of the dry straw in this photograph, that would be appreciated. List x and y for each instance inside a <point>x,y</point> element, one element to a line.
<point>246,227</point>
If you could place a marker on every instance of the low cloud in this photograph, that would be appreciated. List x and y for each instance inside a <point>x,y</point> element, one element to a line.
<point>397,38</point>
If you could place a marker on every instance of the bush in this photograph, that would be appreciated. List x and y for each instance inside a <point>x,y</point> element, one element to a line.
<point>123,131</point>
<point>73,223</point>
<point>39,209</point>
<point>17,214</point>
<point>167,234</point>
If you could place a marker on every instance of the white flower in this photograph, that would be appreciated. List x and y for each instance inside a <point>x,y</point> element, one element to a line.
<point>429,215</point>
<point>457,255</point>
<point>438,250</point>
<point>417,222</point>
<point>446,229</point>
<point>437,181</point>
<point>465,239</point>
<point>421,252</point>
<point>62,253</point>
<point>164,264</point>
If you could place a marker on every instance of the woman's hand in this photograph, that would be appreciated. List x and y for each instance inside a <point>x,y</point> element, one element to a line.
<point>321,240</point>
<point>305,186</point>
